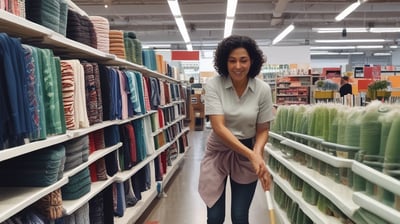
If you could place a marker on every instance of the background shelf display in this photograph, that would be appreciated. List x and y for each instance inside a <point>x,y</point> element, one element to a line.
<point>293,89</point>
<point>15,199</point>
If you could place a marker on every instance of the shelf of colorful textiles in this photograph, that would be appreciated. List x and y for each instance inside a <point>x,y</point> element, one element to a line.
<point>382,187</point>
<point>53,140</point>
<point>140,68</point>
<point>311,211</point>
<point>17,26</point>
<point>70,206</point>
<point>132,214</point>
<point>15,199</point>
<point>93,157</point>
<point>126,174</point>
<point>338,193</point>
<point>9,153</point>
<point>171,169</point>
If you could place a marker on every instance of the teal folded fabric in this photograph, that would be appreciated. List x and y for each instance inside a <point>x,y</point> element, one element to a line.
<point>37,169</point>
<point>78,185</point>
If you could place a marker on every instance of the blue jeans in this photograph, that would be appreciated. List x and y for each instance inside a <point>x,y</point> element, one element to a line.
<point>241,197</point>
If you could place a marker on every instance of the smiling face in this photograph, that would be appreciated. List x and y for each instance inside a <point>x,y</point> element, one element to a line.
<point>239,63</point>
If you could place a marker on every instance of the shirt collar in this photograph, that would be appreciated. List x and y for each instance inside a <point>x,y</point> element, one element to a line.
<point>228,83</point>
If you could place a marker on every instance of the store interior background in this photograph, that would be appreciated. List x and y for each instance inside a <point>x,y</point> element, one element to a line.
<point>155,26</point>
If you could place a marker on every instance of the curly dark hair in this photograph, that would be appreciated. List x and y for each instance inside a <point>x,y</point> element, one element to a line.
<point>228,44</point>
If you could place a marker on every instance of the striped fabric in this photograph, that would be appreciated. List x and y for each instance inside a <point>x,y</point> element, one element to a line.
<point>102,30</point>
<point>117,45</point>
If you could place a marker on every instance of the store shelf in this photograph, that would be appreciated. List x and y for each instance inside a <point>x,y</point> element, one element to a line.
<point>132,214</point>
<point>33,146</point>
<point>306,137</point>
<point>125,175</point>
<point>73,49</point>
<point>389,183</point>
<point>92,158</point>
<point>376,207</point>
<point>276,136</point>
<point>70,206</point>
<point>172,169</point>
<point>20,27</point>
<point>310,210</point>
<point>339,194</point>
<point>15,199</point>
<point>322,156</point>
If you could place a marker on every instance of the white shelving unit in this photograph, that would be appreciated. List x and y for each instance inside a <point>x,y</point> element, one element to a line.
<point>15,199</point>
<point>341,195</point>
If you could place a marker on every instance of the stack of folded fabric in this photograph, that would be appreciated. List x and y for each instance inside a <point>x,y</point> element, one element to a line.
<point>149,59</point>
<point>77,152</point>
<point>37,169</point>
<point>102,29</point>
<point>50,205</point>
<point>80,216</point>
<point>81,29</point>
<point>117,45</point>
<point>78,185</point>
<point>93,92</point>
<point>44,12</point>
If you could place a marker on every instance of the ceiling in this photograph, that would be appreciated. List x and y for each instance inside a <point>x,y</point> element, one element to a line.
<point>262,20</point>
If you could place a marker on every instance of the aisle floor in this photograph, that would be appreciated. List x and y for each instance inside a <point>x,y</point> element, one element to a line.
<point>182,203</point>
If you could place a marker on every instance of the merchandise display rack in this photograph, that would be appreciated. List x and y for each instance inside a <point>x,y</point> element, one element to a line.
<point>15,199</point>
<point>347,200</point>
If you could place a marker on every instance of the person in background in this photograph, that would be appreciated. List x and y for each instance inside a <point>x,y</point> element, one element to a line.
<point>345,86</point>
<point>240,110</point>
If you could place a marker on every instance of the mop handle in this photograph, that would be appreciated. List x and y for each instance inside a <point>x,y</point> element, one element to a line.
<point>270,207</point>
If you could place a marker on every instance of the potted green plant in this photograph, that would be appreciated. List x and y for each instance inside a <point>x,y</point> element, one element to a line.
<point>378,90</point>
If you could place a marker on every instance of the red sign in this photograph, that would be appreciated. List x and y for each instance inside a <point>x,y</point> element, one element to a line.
<point>185,55</point>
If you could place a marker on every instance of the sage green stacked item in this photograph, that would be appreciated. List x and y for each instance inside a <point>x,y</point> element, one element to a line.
<point>370,141</point>
<point>391,164</point>
<point>362,216</point>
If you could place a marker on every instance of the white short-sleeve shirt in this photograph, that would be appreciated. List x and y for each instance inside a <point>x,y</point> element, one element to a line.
<point>242,114</point>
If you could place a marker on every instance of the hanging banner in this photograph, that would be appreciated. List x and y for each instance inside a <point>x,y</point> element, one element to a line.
<point>185,55</point>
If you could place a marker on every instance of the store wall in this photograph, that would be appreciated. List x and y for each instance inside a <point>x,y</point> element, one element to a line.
<point>287,54</point>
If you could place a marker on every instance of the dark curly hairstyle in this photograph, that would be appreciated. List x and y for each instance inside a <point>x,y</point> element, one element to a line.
<point>227,45</point>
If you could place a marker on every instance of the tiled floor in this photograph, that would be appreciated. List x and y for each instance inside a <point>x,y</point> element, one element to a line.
<point>183,205</point>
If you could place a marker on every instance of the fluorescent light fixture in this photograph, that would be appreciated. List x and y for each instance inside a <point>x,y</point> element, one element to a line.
<point>230,17</point>
<point>384,29</point>
<point>369,46</point>
<point>163,46</point>
<point>332,47</point>
<point>284,33</point>
<point>340,29</point>
<point>348,10</point>
<point>382,54</point>
<point>231,8</point>
<point>334,53</point>
<point>182,28</point>
<point>228,27</point>
<point>351,41</point>
<point>174,7</point>
<point>394,46</point>
<point>189,47</point>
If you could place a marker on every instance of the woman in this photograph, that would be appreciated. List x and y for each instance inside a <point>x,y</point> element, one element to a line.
<point>239,107</point>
